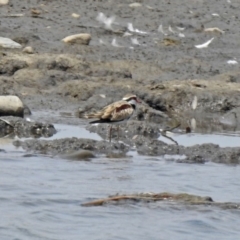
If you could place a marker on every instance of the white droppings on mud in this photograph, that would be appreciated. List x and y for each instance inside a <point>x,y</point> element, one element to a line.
<point>194,102</point>
<point>193,124</point>
<point>127,34</point>
<point>115,44</point>
<point>101,17</point>
<point>132,29</point>
<point>171,30</point>
<point>181,35</point>
<point>204,45</point>
<point>102,42</point>
<point>135,41</point>
<point>160,29</point>
<point>180,28</point>
<point>232,62</point>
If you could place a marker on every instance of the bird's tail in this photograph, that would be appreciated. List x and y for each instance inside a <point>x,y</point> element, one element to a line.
<point>92,115</point>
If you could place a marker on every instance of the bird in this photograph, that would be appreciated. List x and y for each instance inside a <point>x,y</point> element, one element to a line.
<point>115,113</point>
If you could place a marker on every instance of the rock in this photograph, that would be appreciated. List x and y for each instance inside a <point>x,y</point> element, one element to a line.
<point>11,106</point>
<point>82,38</point>
<point>25,128</point>
<point>75,15</point>
<point>135,5</point>
<point>28,50</point>
<point>9,43</point>
<point>3,2</point>
<point>77,155</point>
<point>63,145</point>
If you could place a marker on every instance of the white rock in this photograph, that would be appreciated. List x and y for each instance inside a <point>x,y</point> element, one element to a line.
<point>75,15</point>
<point>82,38</point>
<point>135,5</point>
<point>11,105</point>
<point>4,2</point>
<point>9,43</point>
<point>28,50</point>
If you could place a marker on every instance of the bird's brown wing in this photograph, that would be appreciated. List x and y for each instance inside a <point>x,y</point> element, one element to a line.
<point>122,112</point>
<point>106,112</point>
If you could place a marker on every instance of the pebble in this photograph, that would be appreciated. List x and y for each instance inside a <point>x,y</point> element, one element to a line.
<point>135,5</point>
<point>28,50</point>
<point>75,15</point>
<point>9,43</point>
<point>82,38</point>
<point>4,2</point>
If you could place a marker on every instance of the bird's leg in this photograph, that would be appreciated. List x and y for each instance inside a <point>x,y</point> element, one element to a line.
<point>110,133</point>
<point>118,132</point>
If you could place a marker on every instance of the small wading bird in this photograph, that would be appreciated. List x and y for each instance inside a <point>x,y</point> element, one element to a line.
<point>116,112</point>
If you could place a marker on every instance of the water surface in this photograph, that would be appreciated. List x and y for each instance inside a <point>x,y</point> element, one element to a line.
<point>41,196</point>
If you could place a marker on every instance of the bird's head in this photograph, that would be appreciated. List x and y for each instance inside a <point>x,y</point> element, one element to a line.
<point>131,99</point>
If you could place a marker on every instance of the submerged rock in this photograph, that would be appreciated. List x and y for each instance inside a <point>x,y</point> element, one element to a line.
<point>61,146</point>
<point>22,128</point>
<point>166,197</point>
<point>152,197</point>
<point>77,155</point>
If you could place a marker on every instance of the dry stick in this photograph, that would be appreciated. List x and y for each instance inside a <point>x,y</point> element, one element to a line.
<point>164,133</point>
<point>100,202</point>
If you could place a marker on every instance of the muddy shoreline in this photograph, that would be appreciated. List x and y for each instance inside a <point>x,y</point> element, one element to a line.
<point>178,82</point>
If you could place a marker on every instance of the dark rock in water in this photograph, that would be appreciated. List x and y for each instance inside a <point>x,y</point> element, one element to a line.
<point>183,198</point>
<point>127,131</point>
<point>23,128</point>
<point>77,155</point>
<point>59,146</point>
<point>154,147</point>
<point>193,159</point>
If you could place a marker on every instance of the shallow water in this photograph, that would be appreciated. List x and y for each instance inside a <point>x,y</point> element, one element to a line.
<point>41,196</point>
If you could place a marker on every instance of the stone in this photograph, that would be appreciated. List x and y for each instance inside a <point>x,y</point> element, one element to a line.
<point>28,50</point>
<point>9,43</point>
<point>135,5</point>
<point>82,38</point>
<point>75,15</point>
<point>78,155</point>
<point>11,106</point>
<point>3,2</point>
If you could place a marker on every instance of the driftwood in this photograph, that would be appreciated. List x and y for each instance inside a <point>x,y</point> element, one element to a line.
<point>150,197</point>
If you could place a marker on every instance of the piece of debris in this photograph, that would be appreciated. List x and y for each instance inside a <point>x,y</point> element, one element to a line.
<point>151,197</point>
<point>81,38</point>
<point>204,45</point>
